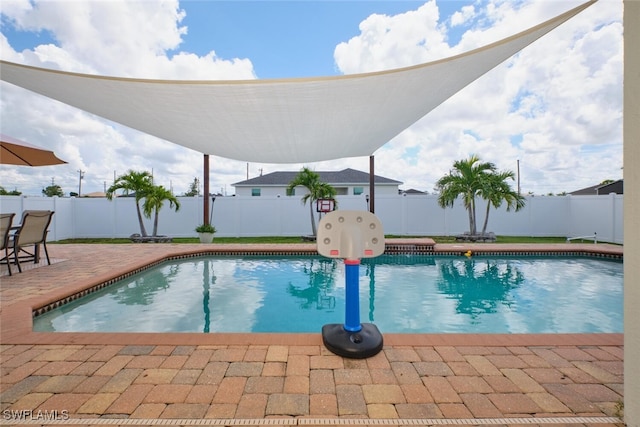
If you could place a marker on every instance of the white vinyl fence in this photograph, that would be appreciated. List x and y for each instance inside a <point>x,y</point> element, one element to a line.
<point>413,215</point>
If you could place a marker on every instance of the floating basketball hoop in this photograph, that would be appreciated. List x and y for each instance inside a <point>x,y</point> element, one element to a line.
<point>325,205</point>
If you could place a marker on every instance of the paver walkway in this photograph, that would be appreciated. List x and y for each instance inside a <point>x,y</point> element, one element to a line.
<point>285,379</point>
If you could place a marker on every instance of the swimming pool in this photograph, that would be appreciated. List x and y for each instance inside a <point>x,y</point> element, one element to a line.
<point>399,293</point>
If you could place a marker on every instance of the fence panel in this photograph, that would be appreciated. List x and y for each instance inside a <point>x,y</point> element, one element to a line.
<point>547,216</point>
<point>597,214</point>
<point>287,216</point>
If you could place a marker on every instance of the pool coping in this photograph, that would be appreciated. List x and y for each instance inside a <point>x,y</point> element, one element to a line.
<point>16,319</point>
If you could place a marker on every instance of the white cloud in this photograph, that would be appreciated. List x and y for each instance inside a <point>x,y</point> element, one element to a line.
<point>561,96</point>
<point>119,38</point>
<point>463,15</point>
<point>387,42</point>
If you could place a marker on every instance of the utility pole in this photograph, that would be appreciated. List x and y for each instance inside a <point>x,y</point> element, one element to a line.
<point>81,176</point>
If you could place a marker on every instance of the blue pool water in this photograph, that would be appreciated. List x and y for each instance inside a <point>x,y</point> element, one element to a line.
<point>399,293</point>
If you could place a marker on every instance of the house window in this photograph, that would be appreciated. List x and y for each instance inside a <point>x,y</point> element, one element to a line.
<point>291,191</point>
<point>255,192</point>
<point>358,191</point>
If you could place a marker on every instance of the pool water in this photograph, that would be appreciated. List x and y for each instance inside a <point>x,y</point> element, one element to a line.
<point>399,293</point>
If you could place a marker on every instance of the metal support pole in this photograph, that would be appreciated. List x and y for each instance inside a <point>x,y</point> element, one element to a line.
<point>372,185</point>
<point>352,297</point>
<point>206,189</point>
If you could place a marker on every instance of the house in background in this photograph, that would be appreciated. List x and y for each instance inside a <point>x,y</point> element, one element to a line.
<point>349,182</point>
<point>601,189</point>
<point>412,192</point>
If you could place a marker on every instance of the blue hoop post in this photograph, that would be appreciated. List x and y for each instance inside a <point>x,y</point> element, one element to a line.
<point>352,297</point>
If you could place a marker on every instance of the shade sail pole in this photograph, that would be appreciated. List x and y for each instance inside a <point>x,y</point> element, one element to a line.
<point>372,185</point>
<point>206,190</point>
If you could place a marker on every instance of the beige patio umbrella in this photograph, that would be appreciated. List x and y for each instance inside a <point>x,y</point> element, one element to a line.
<point>16,152</point>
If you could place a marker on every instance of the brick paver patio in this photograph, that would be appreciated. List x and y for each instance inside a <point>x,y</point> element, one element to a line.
<point>285,379</point>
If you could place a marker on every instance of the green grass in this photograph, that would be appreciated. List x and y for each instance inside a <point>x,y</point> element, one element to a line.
<point>512,239</point>
<point>225,240</point>
<point>296,239</point>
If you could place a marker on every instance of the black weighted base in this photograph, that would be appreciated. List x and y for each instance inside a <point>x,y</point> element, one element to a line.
<point>355,345</point>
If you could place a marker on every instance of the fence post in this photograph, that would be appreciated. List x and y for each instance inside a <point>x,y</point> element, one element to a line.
<point>612,197</point>
<point>569,218</point>
<point>54,219</point>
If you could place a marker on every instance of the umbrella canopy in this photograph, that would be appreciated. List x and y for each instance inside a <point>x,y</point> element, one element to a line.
<point>16,152</point>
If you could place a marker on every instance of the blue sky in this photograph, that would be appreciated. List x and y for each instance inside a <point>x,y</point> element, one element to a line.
<point>556,107</point>
<point>286,38</point>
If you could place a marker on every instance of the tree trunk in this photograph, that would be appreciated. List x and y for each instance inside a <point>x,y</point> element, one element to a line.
<point>472,217</point>
<point>143,230</point>
<point>313,220</point>
<point>155,224</point>
<point>486,219</point>
<point>475,218</point>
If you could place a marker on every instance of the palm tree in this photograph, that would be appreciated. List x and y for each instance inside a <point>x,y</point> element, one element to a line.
<point>464,180</point>
<point>153,202</point>
<point>495,190</point>
<point>139,183</point>
<point>316,190</point>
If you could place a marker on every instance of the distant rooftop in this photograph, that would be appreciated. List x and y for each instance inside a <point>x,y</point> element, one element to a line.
<point>344,177</point>
<point>600,189</point>
<point>412,191</point>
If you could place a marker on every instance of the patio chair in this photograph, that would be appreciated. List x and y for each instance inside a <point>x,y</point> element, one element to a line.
<point>32,231</point>
<point>6,220</point>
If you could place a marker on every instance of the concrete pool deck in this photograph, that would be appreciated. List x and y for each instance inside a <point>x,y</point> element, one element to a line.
<point>287,379</point>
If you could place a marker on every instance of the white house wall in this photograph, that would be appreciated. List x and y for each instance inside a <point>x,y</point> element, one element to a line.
<point>275,191</point>
<point>631,131</point>
<point>416,215</point>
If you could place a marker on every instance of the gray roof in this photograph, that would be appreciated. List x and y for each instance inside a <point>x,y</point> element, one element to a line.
<point>613,187</point>
<point>344,177</point>
<point>413,191</point>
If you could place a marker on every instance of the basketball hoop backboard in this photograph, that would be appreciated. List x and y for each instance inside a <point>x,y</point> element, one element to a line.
<point>325,205</point>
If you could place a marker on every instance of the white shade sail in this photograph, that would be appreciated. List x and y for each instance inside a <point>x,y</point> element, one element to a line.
<point>277,120</point>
